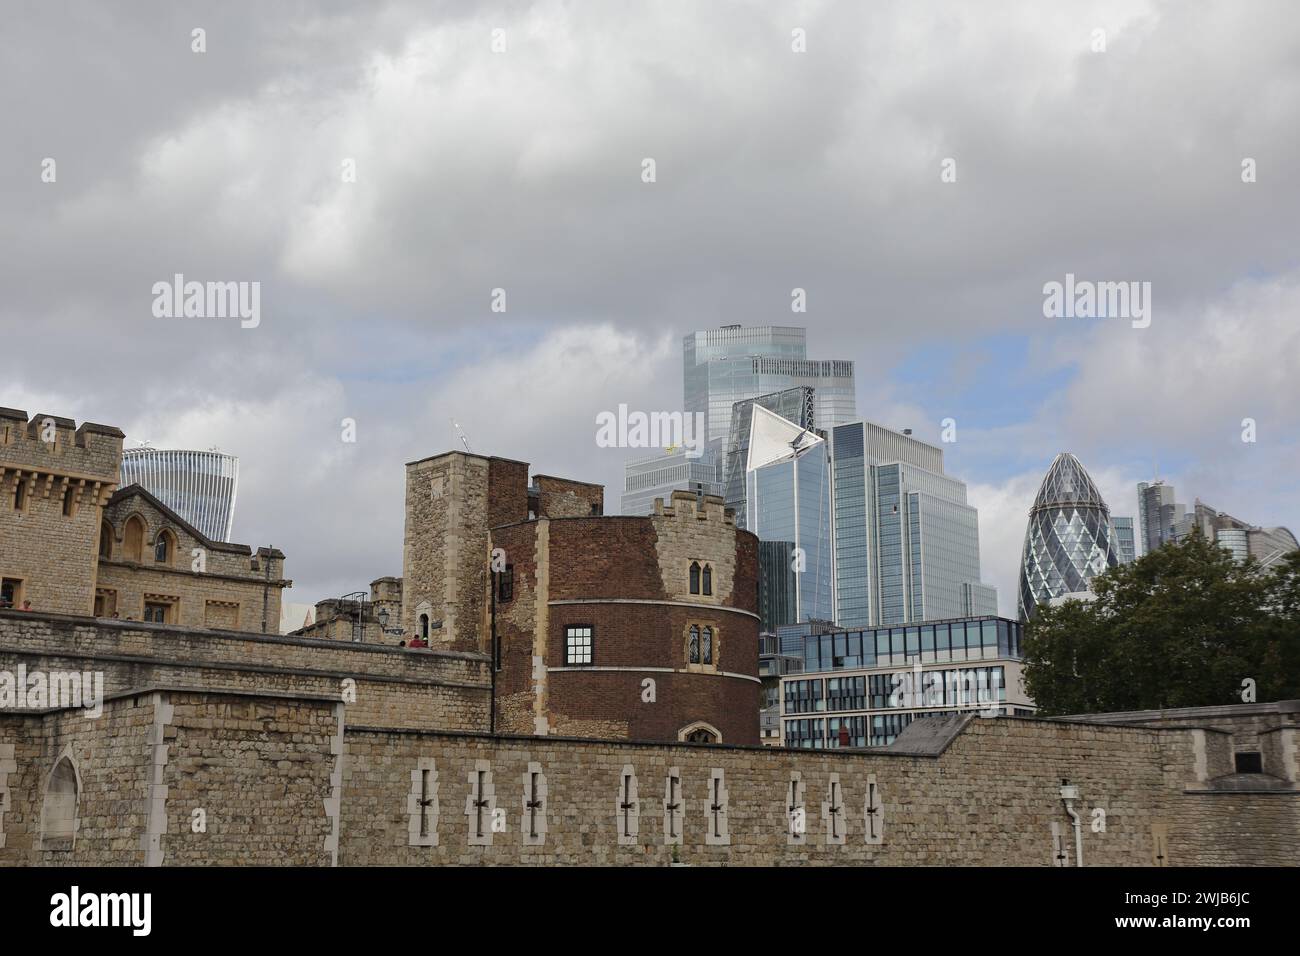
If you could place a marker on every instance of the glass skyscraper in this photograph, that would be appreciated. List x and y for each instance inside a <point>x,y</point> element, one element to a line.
<point>788,506</point>
<point>199,486</point>
<point>723,366</point>
<point>658,476</point>
<point>1125,540</point>
<point>906,542</point>
<point>1158,514</point>
<point>1069,537</point>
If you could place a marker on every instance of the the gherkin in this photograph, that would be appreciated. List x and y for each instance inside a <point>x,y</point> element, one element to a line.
<point>1069,539</point>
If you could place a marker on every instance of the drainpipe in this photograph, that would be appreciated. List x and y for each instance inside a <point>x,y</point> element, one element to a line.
<point>266,587</point>
<point>492,666</point>
<point>1068,795</point>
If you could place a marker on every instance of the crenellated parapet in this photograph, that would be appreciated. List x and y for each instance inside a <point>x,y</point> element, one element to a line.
<point>49,455</point>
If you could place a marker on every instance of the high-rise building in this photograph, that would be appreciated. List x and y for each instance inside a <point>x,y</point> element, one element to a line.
<point>1242,539</point>
<point>1158,513</point>
<point>787,505</point>
<point>858,525</point>
<point>1069,537</point>
<point>723,366</point>
<point>199,486</point>
<point>906,541</point>
<point>659,475</point>
<point>1125,540</point>
<point>735,364</point>
<point>795,405</point>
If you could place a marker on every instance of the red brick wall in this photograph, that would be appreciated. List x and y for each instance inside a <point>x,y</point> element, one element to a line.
<point>595,559</point>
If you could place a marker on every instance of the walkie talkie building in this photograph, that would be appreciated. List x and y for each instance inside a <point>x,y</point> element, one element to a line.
<point>199,486</point>
<point>1069,540</point>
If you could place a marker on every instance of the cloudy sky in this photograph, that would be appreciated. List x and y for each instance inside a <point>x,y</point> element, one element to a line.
<point>521,169</point>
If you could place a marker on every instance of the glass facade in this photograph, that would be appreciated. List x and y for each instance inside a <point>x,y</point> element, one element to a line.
<point>906,542</point>
<point>1125,542</point>
<point>1068,540</point>
<point>658,476</point>
<point>199,486</point>
<point>789,509</point>
<point>734,363</point>
<point>963,666</point>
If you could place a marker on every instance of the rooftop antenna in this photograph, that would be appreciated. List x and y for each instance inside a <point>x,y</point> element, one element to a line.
<point>461,432</point>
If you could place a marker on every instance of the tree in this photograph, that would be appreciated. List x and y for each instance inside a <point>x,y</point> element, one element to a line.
<point>1183,626</point>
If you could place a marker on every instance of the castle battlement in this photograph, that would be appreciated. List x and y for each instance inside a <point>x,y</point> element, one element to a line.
<point>56,447</point>
<point>686,504</point>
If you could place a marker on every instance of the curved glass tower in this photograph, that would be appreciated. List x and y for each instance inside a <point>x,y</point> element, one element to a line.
<point>198,485</point>
<point>1069,539</point>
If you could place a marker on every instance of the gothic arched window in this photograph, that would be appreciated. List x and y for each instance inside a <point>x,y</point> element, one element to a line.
<point>708,579</point>
<point>695,577</point>
<point>693,645</point>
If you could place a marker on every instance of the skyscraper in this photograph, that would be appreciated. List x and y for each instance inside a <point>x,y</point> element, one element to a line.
<point>733,364</point>
<point>1158,513</point>
<point>1242,539</point>
<point>1069,537</point>
<point>723,366</point>
<point>199,486</point>
<point>906,541</point>
<point>1125,541</point>
<point>788,506</point>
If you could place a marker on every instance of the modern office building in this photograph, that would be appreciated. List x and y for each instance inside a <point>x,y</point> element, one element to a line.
<point>788,506</point>
<point>1069,538</point>
<point>1125,539</point>
<point>659,475</point>
<point>860,688</point>
<point>735,364</point>
<point>728,365</point>
<point>906,542</point>
<point>773,664</point>
<point>199,486</point>
<point>1242,539</point>
<point>1158,513</point>
<point>794,405</point>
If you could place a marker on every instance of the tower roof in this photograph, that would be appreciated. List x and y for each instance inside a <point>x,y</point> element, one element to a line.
<point>1067,482</point>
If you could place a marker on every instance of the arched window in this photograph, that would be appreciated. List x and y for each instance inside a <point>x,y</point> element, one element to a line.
<point>163,548</point>
<point>695,577</point>
<point>700,733</point>
<point>59,812</point>
<point>133,539</point>
<point>693,645</point>
<point>706,647</point>
<point>708,579</point>
<point>424,627</point>
<point>105,540</point>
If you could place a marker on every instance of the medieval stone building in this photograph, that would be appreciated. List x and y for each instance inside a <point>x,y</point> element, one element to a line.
<point>587,698</point>
<point>71,542</point>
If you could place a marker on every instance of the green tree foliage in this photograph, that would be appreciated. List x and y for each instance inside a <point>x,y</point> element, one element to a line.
<point>1183,626</point>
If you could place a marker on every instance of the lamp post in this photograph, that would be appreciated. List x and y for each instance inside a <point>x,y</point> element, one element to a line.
<point>382,615</point>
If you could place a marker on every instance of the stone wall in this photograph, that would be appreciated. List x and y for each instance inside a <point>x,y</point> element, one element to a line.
<point>204,583</point>
<point>286,780</point>
<point>169,777</point>
<point>389,685</point>
<point>990,798</point>
<point>445,548</point>
<point>52,553</point>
